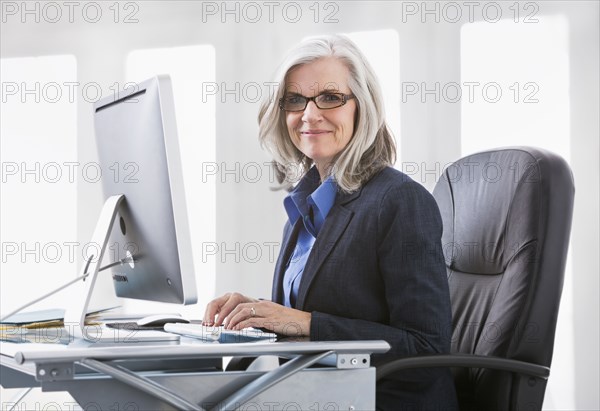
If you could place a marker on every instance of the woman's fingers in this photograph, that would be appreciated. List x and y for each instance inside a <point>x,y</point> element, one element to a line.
<point>213,308</point>
<point>240,313</point>
<point>271,316</point>
<point>220,308</point>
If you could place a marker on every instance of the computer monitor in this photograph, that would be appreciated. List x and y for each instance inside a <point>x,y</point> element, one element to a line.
<point>143,232</point>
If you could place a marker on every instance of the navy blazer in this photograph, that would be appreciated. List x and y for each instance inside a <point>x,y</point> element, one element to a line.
<point>377,272</point>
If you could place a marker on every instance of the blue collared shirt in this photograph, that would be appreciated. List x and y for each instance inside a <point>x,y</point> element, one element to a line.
<point>310,201</point>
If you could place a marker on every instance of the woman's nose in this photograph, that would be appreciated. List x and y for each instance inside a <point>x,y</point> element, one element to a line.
<point>312,113</point>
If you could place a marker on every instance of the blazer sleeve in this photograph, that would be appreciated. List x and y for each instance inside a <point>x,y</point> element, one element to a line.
<point>411,266</point>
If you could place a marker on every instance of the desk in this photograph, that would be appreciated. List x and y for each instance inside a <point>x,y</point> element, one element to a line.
<point>142,376</point>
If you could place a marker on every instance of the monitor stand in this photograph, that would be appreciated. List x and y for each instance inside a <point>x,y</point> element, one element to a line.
<point>75,314</point>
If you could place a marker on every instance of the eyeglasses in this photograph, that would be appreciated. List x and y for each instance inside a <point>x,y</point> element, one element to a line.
<point>324,101</point>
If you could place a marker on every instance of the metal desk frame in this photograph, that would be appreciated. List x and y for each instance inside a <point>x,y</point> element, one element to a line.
<point>184,376</point>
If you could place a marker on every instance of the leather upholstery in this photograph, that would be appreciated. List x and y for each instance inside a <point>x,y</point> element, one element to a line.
<point>507,218</point>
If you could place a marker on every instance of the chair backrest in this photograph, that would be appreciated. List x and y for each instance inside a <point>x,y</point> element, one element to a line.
<point>507,218</point>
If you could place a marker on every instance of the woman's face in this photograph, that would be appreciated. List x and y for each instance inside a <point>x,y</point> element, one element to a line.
<point>321,134</point>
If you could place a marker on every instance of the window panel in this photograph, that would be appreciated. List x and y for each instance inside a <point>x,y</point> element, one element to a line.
<point>39,179</point>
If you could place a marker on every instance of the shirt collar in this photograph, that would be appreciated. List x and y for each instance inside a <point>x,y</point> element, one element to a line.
<point>310,194</point>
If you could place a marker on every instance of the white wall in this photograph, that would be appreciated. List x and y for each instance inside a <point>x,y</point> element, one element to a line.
<point>248,212</point>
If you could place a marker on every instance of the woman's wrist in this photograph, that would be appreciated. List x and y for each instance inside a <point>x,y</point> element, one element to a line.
<point>307,324</point>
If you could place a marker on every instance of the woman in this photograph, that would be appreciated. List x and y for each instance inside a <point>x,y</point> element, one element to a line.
<point>361,255</point>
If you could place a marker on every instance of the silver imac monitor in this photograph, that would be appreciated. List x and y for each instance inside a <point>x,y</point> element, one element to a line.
<point>142,233</point>
<point>138,149</point>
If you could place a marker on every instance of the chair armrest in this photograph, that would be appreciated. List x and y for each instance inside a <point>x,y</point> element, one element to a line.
<point>464,360</point>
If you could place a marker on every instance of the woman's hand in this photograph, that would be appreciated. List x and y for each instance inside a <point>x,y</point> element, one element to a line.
<point>236,311</point>
<point>270,316</point>
<point>219,308</point>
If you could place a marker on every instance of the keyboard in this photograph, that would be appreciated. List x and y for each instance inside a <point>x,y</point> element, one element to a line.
<point>219,334</point>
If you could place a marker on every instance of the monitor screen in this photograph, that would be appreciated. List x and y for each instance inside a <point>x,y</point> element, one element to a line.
<point>139,156</point>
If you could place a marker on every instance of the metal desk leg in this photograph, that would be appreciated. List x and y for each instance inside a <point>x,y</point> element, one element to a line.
<point>268,380</point>
<point>143,384</point>
<point>19,397</point>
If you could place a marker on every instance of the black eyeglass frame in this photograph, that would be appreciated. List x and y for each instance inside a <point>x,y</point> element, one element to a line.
<point>345,98</point>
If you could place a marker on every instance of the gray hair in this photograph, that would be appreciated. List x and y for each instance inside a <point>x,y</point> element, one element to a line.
<point>372,146</point>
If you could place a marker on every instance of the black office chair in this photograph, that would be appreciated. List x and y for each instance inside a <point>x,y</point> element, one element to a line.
<point>507,218</point>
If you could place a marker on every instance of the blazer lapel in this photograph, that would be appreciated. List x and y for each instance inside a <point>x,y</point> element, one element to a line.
<point>287,247</point>
<point>335,224</point>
